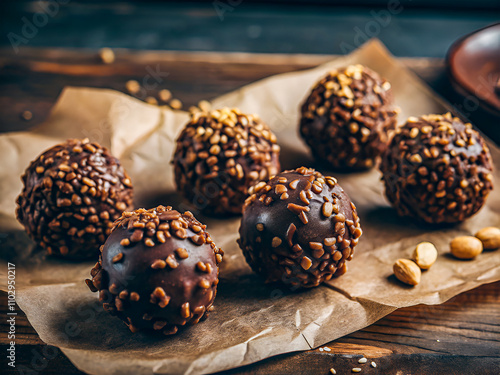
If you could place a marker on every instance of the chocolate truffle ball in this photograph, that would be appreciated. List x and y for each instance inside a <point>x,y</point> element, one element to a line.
<point>72,194</point>
<point>220,155</point>
<point>437,169</point>
<point>158,270</point>
<point>347,117</point>
<point>299,228</point>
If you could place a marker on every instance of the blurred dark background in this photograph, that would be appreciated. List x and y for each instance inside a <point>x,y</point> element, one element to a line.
<point>408,27</point>
<point>49,44</point>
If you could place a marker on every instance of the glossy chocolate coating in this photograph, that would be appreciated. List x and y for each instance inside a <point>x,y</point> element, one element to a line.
<point>158,270</point>
<point>220,155</point>
<point>72,194</point>
<point>347,118</point>
<point>299,229</point>
<point>437,169</point>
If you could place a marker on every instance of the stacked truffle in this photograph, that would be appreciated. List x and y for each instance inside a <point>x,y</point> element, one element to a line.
<point>72,194</point>
<point>220,155</point>
<point>347,118</point>
<point>299,228</point>
<point>437,169</point>
<point>158,270</point>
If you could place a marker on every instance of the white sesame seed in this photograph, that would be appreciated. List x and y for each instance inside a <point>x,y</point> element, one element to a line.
<point>320,349</point>
<point>327,349</point>
<point>362,360</point>
<point>356,369</point>
<point>374,364</point>
<point>332,371</point>
<point>437,340</point>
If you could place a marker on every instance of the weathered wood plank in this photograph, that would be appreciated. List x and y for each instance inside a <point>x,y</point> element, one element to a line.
<point>460,336</point>
<point>32,79</point>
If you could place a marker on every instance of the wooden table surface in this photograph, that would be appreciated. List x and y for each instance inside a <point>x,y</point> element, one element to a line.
<point>461,336</point>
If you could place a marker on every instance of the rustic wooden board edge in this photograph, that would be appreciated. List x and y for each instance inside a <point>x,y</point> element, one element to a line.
<point>8,54</point>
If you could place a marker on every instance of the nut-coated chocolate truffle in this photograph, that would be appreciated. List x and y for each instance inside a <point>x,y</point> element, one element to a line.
<point>219,155</point>
<point>72,194</point>
<point>347,117</point>
<point>299,228</point>
<point>437,169</point>
<point>158,270</point>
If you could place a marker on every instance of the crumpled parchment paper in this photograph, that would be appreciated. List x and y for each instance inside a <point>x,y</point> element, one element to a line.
<point>252,321</point>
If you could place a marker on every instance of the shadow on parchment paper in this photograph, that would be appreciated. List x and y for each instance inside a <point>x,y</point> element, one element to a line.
<point>178,202</point>
<point>394,281</point>
<point>455,259</point>
<point>161,198</point>
<point>383,217</point>
<point>252,286</point>
<point>34,266</point>
<point>83,319</point>
<point>16,245</point>
<point>82,316</point>
<point>382,222</point>
<point>291,159</point>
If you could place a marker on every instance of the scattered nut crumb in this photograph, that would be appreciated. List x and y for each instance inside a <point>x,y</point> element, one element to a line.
<point>373,364</point>
<point>356,369</point>
<point>407,271</point>
<point>362,360</point>
<point>151,100</point>
<point>27,115</point>
<point>466,247</point>
<point>425,254</point>
<point>133,86</point>
<point>205,106</point>
<point>107,55</point>
<point>165,95</point>
<point>490,237</point>
<point>175,104</point>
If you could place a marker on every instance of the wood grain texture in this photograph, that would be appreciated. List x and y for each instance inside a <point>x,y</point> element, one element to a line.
<point>461,336</point>
<point>32,79</point>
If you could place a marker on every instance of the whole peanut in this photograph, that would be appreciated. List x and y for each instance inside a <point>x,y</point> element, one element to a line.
<point>490,237</point>
<point>466,247</point>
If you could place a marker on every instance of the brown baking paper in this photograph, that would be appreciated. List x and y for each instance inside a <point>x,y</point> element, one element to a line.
<point>252,321</point>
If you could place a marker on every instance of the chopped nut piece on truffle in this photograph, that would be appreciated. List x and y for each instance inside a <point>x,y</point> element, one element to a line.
<point>291,240</point>
<point>450,180</point>
<point>220,155</point>
<point>160,288</point>
<point>347,118</point>
<point>72,194</point>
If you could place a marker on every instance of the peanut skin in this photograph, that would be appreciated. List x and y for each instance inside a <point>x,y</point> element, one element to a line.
<point>466,247</point>
<point>407,271</point>
<point>490,237</point>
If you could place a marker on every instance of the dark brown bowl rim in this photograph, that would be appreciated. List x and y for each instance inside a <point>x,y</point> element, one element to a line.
<point>456,81</point>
